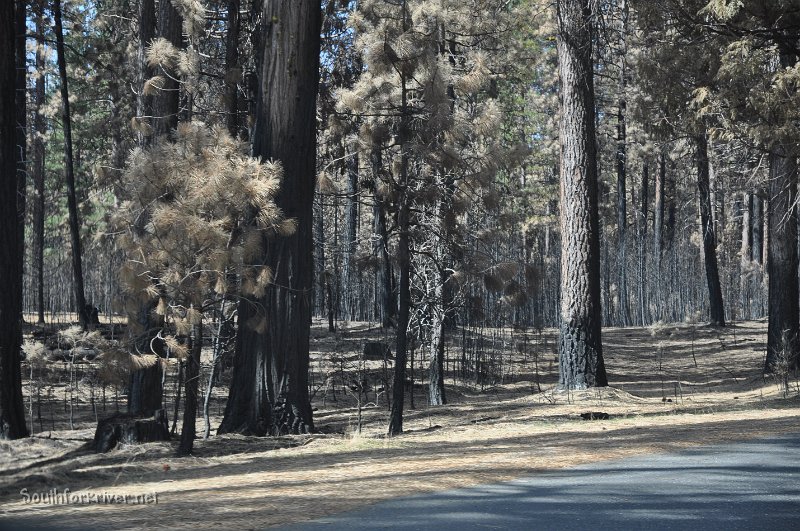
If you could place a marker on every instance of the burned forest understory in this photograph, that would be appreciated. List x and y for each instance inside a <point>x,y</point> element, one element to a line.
<point>263,261</point>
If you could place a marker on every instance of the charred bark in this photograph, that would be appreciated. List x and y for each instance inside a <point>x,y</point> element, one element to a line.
<point>621,158</point>
<point>248,410</point>
<point>145,391</point>
<point>270,388</point>
<point>746,250</point>
<point>147,32</point>
<point>69,172</point>
<point>757,238</point>
<point>658,213</point>
<point>581,362</point>
<point>145,386</point>
<point>717,309</point>
<point>402,190</point>
<point>436,390</point>
<point>233,71</point>
<point>319,257</point>
<point>670,198</point>
<point>40,128</point>
<point>387,309</point>
<point>22,125</point>
<point>643,243</point>
<point>166,105</point>
<point>783,330</point>
<point>12,414</point>
<point>404,308</point>
<point>348,280</point>
<point>746,255</point>
<point>129,429</point>
<point>191,390</point>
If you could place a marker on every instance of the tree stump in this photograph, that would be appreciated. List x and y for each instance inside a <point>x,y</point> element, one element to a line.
<point>595,415</point>
<point>92,316</point>
<point>377,351</point>
<point>129,429</point>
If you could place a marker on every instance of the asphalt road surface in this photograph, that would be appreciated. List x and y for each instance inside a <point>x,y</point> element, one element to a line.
<point>748,485</point>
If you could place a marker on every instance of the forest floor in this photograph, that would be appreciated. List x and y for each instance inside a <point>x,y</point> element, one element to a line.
<point>672,387</point>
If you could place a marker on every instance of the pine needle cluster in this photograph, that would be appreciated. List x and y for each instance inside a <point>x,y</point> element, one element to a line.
<point>198,215</point>
<point>428,97</point>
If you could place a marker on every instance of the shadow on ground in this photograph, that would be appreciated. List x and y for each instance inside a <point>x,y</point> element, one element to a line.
<point>751,485</point>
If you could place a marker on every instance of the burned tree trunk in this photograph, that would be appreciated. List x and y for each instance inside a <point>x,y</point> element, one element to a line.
<point>192,385</point>
<point>658,235</point>
<point>348,274</point>
<point>436,391</point>
<point>746,254</point>
<point>249,406</point>
<point>782,263</point>
<point>622,162</point>
<point>319,257</point>
<point>38,168</point>
<point>144,102</point>
<point>269,393</point>
<point>757,239</point>
<point>581,362</point>
<point>709,234</point>
<point>145,391</point>
<point>69,172</point>
<point>22,125</point>
<point>403,192</point>
<point>232,68</point>
<point>12,414</point>
<point>145,388</point>
<point>404,309</point>
<point>642,226</point>
<point>658,210</point>
<point>166,106</point>
<point>387,308</point>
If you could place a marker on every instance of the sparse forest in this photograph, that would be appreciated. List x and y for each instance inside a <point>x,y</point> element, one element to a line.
<point>231,226</point>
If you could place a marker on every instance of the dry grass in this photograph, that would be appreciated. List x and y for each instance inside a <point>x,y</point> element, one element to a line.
<point>660,401</point>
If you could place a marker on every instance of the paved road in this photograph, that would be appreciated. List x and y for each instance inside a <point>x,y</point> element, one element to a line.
<point>750,485</point>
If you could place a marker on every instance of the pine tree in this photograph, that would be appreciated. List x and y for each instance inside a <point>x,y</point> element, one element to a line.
<point>38,162</point>
<point>169,70</point>
<point>581,362</point>
<point>144,72</point>
<point>622,166</point>
<point>269,391</point>
<point>69,172</point>
<point>708,231</point>
<point>12,416</point>
<point>22,124</point>
<point>674,75</point>
<point>208,210</point>
<point>756,102</point>
<point>431,128</point>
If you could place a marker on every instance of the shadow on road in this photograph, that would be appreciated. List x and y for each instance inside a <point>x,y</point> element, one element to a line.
<point>750,485</point>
